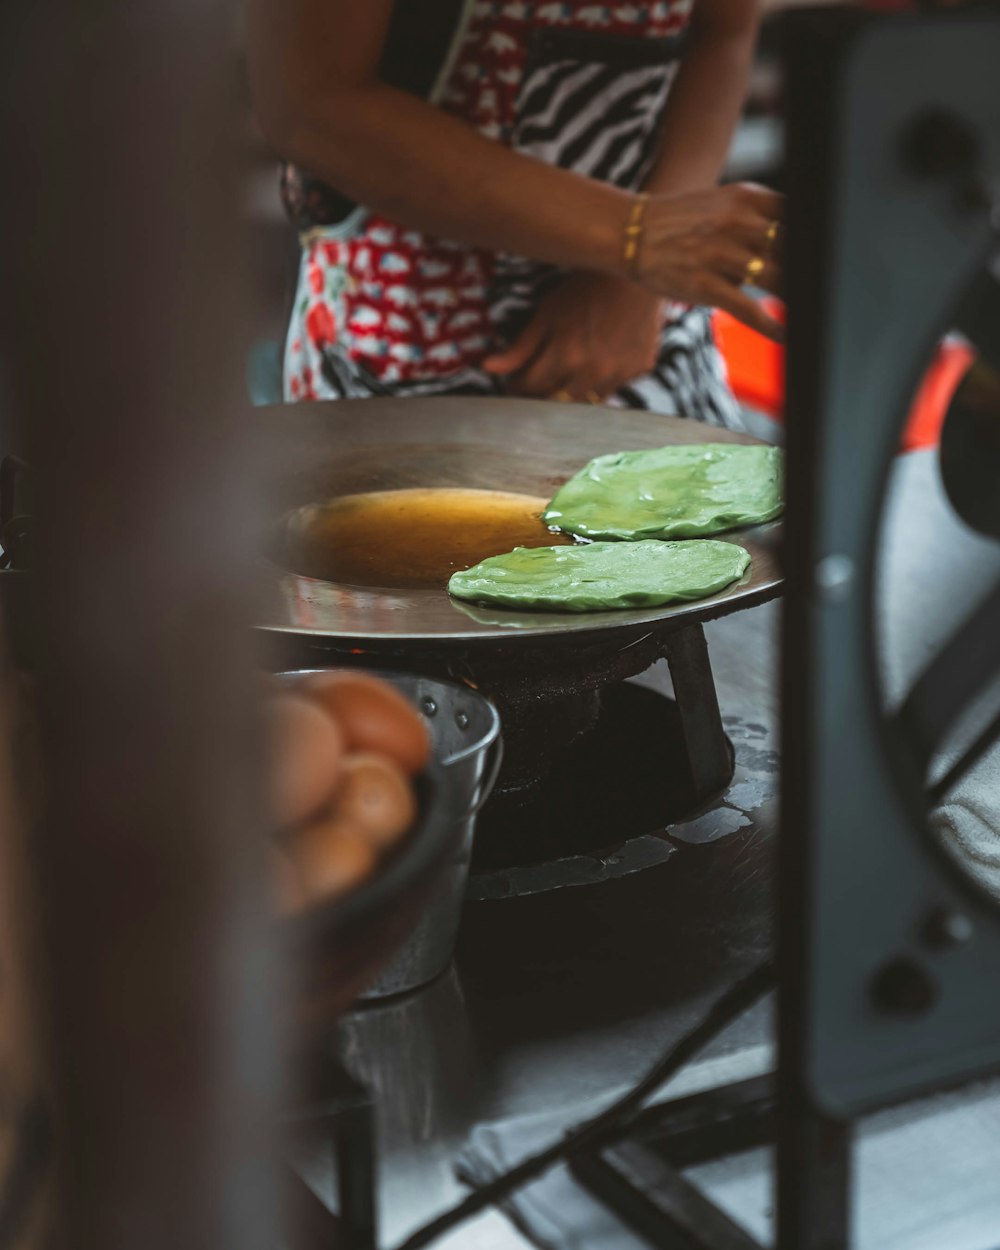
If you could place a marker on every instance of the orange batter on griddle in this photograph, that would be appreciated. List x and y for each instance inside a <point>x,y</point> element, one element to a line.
<point>411,539</point>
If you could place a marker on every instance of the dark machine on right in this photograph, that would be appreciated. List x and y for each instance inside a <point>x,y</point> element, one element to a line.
<point>889,860</point>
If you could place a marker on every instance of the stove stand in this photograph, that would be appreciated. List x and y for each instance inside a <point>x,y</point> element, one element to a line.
<point>593,765</point>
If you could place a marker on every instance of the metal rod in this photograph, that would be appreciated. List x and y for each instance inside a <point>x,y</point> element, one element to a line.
<point>711,1124</point>
<point>331,1100</point>
<point>814,1189</point>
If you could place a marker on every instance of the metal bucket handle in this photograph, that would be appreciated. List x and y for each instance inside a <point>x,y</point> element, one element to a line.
<point>490,774</point>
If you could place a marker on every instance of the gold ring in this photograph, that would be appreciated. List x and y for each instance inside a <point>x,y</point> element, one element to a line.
<point>773,230</point>
<point>563,397</point>
<point>594,398</point>
<point>755,267</point>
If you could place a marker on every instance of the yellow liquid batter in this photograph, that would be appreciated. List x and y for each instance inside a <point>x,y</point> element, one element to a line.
<point>411,539</point>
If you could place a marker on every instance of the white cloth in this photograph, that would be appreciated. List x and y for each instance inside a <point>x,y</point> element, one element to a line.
<point>968,824</point>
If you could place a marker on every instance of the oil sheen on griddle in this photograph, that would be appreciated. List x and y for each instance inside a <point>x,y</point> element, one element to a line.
<point>411,539</point>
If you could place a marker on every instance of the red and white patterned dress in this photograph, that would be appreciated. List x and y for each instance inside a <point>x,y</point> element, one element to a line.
<point>382,309</point>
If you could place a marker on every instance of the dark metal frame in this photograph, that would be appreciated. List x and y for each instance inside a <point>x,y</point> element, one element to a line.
<point>641,1178</point>
<point>873,1008</point>
<point>887,1003</point>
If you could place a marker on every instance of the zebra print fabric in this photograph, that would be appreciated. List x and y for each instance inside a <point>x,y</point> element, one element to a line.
<point>689,379</point>
<point>593,105</point>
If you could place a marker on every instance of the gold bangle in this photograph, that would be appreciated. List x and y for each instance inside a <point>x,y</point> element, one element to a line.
<point>633,234</point>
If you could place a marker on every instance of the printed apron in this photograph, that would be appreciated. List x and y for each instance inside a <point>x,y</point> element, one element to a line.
<point>380,309</point>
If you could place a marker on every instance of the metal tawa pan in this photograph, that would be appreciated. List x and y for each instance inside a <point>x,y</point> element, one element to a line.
<point>320,451</point>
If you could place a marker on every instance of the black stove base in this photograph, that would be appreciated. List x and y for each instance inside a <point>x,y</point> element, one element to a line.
<point>625,778</point>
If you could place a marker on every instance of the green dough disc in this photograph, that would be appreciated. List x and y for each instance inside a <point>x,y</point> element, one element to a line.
<point>671,492</point>
<point>600,576</point>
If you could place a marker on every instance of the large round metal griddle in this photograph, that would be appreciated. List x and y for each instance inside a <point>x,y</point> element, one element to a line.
<point>320,451</point>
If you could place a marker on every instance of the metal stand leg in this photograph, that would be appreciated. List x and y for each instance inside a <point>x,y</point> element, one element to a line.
<point>709,755</point>
<point>336,1102</point>
<point>813,1178</point>
<point>354,1140</point>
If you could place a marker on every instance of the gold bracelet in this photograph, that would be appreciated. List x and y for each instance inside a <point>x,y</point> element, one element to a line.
<point>633,234</point>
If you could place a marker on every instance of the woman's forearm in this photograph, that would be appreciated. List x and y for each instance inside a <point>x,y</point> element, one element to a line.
<point>418,165</point>
<point>702,111</point>
<point>314,73</point>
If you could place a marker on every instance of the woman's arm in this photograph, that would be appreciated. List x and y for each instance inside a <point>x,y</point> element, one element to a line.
<point>707,96</point>
<point>314,72</point>
<point>313,69</point>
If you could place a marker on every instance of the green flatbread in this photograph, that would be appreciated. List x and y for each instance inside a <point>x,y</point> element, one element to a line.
<point>671,492</point>
<point>600,576</point>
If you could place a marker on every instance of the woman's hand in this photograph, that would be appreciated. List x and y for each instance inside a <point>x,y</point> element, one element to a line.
<point>697,248</point>
<point>589,336</point>
<point>593,333</point>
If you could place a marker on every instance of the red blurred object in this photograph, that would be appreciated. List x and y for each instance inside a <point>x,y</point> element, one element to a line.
<point>951,361</point>
<point>757,375</point>
<point>756,365</point>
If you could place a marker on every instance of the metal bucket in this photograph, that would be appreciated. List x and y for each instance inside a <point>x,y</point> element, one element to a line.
<point>465,740</point>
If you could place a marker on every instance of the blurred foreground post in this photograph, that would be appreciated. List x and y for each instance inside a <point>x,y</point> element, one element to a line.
<point>121,289</point>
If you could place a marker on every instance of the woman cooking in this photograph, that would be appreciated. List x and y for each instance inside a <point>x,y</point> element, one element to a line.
<point>514,195</point>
